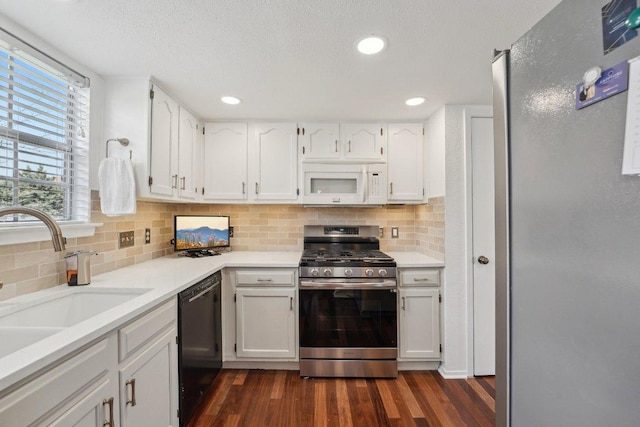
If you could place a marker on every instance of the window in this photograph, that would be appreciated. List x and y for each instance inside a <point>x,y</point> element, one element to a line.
<point>44,119</point>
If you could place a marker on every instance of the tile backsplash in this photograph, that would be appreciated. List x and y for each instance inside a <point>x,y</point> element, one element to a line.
<point>30,267</point>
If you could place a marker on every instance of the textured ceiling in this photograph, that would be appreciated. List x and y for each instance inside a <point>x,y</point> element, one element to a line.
<point>290,59</point>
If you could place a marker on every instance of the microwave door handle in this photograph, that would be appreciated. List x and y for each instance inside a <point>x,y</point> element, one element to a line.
<point>364,184</point>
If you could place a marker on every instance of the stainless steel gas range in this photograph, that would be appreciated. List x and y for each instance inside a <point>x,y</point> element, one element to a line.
<point>348,304</point>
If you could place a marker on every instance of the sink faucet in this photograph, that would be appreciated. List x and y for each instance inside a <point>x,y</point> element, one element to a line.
<point>56,234</point>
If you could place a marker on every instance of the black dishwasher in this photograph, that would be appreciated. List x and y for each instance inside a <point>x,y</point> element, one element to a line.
<point>200,342</point>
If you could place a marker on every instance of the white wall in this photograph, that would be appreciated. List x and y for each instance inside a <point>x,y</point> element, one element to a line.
<point>434,155</point>
<point>96,140</point>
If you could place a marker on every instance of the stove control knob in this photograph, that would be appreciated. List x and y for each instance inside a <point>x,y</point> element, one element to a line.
<point>314,272</point>
<point>348,272</point>
<point>368,272</point>
<point>327,272</point>
<point>382,272</point>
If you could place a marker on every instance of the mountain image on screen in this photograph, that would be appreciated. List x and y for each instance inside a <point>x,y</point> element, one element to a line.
<point>201,237</point>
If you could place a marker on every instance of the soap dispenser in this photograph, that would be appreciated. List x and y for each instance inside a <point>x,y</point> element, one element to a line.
<point>79,267</point>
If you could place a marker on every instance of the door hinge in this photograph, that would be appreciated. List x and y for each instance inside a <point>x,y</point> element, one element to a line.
<point>178,412</point>
<point>440,348</point>
<point>176,339</point>
<point>297,191</point>
<point>423,191</point>
<point>422,131</point>
<point>216,347</point>
<point>381,150</point>
<point>150,181</point>
<point>235,348</point>
<point>302,131</point>
<point>303,150</point>
<point>439,298</point>
<point>234,298</point>
<point>298,131</point>
<point>380,131</point>
<point>203,130</point>
<point>203,191</point>
<point>151,93</point>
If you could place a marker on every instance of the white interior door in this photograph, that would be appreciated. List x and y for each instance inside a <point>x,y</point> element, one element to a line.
<point>483,246</point>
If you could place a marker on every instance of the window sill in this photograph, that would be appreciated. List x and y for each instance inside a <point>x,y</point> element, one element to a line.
<point>12,234</point>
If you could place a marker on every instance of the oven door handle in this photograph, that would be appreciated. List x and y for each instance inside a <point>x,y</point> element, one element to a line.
<point>322,284</point>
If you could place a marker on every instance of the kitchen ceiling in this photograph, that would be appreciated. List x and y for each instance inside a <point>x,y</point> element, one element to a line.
<point>290,59</point>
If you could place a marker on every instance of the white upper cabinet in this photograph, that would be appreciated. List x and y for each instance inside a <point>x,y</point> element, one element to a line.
<point>405,163</point>
<point>188,155</point>
<point>163,144</point>
<point>320,141</point>
<point>363,141</point>
<point>273,162</point>
<point>225,161</point>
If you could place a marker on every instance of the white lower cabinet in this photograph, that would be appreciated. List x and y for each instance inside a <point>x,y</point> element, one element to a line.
<point>260,315</point>
<point>89,388</point>
<point>147,386</point>
<point>419,314</point>
<point>265,323</point>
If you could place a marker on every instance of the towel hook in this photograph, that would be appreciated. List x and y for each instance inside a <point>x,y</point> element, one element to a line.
<point>123,141</point>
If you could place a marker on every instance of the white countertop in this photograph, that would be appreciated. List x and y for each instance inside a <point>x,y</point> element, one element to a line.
<point>166,277</point>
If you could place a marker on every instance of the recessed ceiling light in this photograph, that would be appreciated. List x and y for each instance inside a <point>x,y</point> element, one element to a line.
<point>232,100</point>
<point>412,102</point>
<point>371,45</point>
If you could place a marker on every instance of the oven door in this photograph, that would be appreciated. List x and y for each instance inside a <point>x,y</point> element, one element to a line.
<point>352,319</point>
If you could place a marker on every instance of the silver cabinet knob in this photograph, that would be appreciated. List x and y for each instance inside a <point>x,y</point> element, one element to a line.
<point>483,259</point>
<point>327,272</point>
<point>368,272</point>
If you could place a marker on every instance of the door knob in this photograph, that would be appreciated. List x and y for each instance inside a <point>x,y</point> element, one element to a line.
<point>483,259</point>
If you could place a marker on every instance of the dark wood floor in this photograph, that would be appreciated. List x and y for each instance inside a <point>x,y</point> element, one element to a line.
<point>281,398</point>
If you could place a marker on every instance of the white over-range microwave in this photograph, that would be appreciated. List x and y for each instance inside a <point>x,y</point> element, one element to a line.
<point>344,184</point>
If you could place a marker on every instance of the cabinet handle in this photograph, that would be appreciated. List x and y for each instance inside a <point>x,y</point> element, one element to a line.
<point>243,191</point>
<point>132,382</point>
<point>403,303</point>
<point>184,182</point>
<point>291,303</point>
<point>174,181</point>
<point>263,280</point>
<point>108,402</point>
<point>420,279</point>
<point>336,145</point>
<point>349,145</point>
<point>391,185</point>
<point>256,188</point>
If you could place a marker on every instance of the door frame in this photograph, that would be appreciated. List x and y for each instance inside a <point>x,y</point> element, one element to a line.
<point>470,113</point>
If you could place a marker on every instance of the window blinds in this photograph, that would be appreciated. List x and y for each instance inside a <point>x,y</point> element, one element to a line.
<point>44,148</point>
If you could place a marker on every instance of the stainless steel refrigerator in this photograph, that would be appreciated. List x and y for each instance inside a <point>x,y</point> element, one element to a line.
<point>568,232</point>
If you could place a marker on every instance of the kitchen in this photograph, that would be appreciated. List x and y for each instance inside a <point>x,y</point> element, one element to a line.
<point>421,227</point>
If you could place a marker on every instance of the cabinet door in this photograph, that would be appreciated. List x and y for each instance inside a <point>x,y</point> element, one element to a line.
<point>274,162</point>
<point>265,322</point>
<point>320,140</point>
<point>419,323</point>
<point>92,410</point>
<point>148,385</point>
<point>404,162</point>
<point>225,161</point>
<point>163,143</point>
<point>363,141</point>
<point>187,159</point>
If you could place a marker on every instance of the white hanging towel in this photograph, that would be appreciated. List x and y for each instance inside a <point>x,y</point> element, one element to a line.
<point>117,187</point>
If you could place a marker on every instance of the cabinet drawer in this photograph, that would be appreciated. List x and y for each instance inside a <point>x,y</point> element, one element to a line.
<point>59,385</point>
<point>420,277</point>
<point>141,331</point>
<point>266,277</point>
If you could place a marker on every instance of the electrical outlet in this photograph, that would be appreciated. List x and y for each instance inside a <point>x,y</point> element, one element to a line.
<point>147,236</point>
<point>394,232</point>
<point>126,239</point>
<point>230,231</point>
<point>381,232</point>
